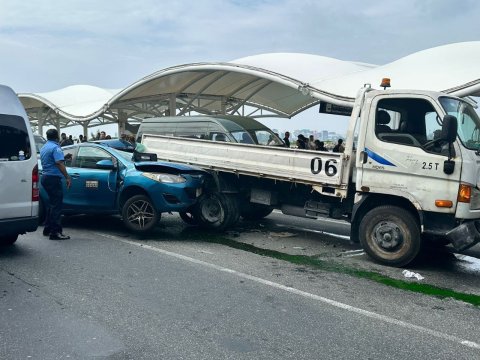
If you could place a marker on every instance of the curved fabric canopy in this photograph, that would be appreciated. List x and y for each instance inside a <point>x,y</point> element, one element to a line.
<point>281,84</point>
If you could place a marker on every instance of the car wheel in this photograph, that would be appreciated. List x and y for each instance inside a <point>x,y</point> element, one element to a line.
<point>189,218</point>
<point>8,240</point>
<point>139,215</point>
<point>256,211</point>
<point>390,235</point>
<point>217,211</point>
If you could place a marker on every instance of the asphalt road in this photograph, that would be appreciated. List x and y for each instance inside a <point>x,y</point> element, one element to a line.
<point>107,295</point>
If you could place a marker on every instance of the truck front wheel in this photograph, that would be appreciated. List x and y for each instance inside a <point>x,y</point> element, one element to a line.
<point>390,235</point>
<point>217,211</point>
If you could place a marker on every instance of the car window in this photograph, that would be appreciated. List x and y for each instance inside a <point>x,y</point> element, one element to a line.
<point>69,155</point>
<point>88,156</point>
<point>14,141</point>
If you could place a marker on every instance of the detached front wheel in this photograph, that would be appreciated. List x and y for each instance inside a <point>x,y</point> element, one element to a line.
<point>139,214</point>
<point>390,235</point>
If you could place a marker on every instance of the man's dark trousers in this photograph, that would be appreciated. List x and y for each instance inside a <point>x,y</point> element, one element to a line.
<point>53,187</point>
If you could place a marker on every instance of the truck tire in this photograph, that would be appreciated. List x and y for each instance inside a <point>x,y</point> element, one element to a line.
<point>139,214</point>
<point>390,235</point>
<point>255,211</point>
<point>8,240</point>
<point>217,211</point>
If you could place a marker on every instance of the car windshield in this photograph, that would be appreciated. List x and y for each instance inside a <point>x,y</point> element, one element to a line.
<point>468,121</point>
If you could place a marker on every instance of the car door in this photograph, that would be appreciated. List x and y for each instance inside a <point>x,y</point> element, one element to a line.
<point>92,190</point>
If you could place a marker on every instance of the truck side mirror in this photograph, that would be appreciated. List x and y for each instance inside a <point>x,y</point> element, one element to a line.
<point>449,134</point>
<point>449,128</point>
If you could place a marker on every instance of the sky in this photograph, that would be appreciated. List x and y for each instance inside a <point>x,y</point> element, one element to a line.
<point>50,44</point>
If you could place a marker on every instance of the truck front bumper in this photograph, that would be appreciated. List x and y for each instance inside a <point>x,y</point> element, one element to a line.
<point>465,235</point>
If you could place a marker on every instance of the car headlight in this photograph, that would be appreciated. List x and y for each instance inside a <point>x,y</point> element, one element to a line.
<point>165,178</point>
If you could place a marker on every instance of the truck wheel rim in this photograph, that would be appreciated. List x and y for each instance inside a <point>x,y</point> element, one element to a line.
<point>388,236</point>
<point>212,210</point>
<point>140,213</point>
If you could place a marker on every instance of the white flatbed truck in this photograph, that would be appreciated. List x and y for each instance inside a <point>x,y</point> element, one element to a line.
<point>410,173</point>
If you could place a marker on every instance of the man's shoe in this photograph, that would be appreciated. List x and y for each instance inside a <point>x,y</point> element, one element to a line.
<point>46,232</point>
<point>59,236</point>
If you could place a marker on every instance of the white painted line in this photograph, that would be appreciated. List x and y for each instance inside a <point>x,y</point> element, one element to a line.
<point>304,294</point>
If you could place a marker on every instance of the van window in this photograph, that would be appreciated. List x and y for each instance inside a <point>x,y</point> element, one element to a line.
<point>242,137</point>
<point>265,137</point>
<point>14,141</point>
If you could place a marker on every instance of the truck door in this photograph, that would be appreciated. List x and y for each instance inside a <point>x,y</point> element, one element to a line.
<point>399,156</point>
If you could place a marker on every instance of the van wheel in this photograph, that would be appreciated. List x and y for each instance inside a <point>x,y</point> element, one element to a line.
<point>139,214</point>
<point>8,240</point>
<point>256,211</point>
<point>217,211</point>
<point>189,218</point>
<point>390,235</point>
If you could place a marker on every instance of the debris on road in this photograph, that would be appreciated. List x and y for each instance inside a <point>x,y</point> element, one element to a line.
<point>411,274</point>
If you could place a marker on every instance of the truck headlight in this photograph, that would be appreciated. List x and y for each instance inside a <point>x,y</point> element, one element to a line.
<point>165,178</point>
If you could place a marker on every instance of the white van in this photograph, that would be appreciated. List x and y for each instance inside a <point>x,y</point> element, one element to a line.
<point>19,179</point>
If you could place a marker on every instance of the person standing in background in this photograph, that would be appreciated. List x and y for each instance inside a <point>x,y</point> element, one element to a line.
<point>53,170</point>
<point>286,139</point>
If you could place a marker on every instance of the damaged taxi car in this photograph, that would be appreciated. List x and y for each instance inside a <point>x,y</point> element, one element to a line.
<point>109,181</point>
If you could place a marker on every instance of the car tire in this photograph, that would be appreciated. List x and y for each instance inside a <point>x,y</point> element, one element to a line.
<point>139,214</point>
<point>390,235</point>
<point>8,240</point>
<point>256,211</point>
<point>217,211</point>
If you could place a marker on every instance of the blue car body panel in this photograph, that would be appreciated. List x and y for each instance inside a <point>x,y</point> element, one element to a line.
<point>102,191</point>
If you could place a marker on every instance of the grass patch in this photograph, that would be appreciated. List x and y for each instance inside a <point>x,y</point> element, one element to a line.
<point>316,263</point>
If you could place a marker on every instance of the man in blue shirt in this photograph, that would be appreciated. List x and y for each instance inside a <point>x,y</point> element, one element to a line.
<point>53,170</point>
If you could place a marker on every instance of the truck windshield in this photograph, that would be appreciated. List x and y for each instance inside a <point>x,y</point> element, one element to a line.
<point>468,121</point>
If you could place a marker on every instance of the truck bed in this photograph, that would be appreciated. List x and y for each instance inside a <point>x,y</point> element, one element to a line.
<point>321,169</point>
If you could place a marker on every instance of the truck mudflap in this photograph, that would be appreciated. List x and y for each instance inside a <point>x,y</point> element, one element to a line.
<point>465,235</point>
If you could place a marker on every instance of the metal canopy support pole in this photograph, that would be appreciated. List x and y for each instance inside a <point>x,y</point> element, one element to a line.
<point>85,129</point>
<point>122,121</point>
<point>172,105</point>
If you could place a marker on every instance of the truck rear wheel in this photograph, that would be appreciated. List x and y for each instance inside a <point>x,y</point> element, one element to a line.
<point>256,211</point>
<point>390,235</point>
<point>217,211</point>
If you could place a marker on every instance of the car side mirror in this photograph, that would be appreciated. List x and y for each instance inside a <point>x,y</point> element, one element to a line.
<point>106,164</point>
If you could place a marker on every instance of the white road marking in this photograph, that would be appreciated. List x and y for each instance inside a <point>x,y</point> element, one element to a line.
<point>304,294</point>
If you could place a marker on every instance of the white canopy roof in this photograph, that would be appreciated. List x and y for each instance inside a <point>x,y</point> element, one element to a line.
<point>282,83</point>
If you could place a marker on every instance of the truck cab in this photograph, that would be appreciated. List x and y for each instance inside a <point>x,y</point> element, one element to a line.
<point>411,182</point>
